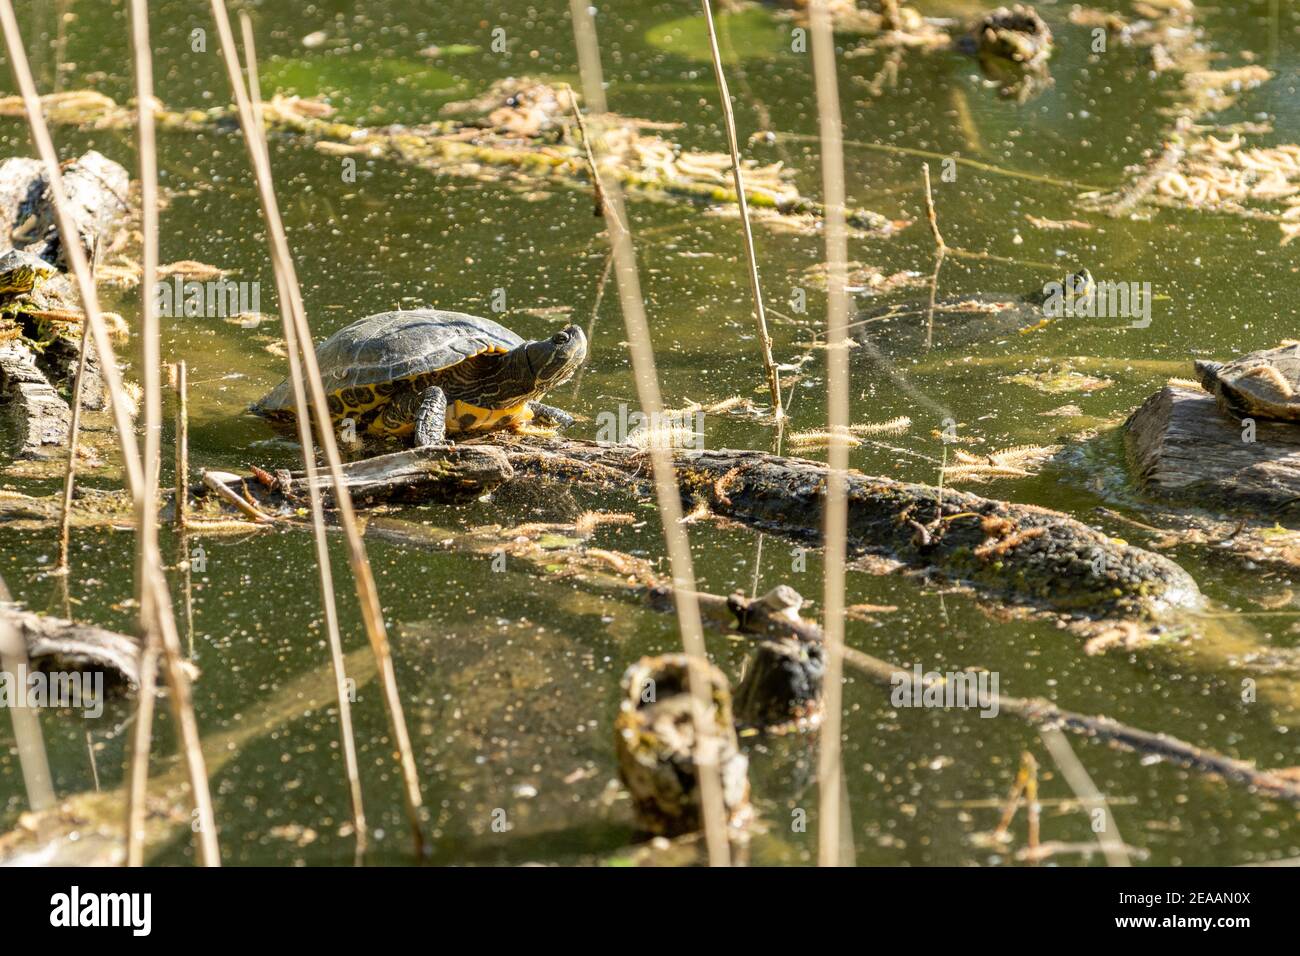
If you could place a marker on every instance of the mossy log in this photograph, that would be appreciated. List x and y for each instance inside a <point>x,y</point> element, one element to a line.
<point>1183,448</point>
<point>1018,553</point>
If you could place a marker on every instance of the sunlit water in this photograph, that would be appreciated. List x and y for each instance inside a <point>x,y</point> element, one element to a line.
<point>510,679</point>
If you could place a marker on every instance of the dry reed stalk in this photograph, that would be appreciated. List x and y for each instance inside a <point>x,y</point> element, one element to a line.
<point>832,844</point>
<point>298,339</point>
<point>148,557</point>
<point>160,616</point>
<point>30,742</point>
<point>74,437</point>
<point>1033,811</point>
<point>930,214</point>
<point>1112,844</point>
<point>182,385</point>
<point>324,564</point>
<point>747,233</point>
<point>940,251</point>
<point>599,208</point>
<point>713,809</point>
<point>595,312</point>
<point>1012,805</point>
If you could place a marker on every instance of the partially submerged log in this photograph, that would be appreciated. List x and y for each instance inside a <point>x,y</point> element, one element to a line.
<point>1019,553</point>
<point>42,419</point>
<point>66,645</point>
<point>775,618</point>
<point>450,475</point>
<point>1183,448</point>
<point>98,201</point>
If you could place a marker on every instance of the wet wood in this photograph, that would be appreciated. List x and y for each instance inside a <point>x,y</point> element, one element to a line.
<point>442,475</point>
<point>1183,448</point>
<point>1023,554</point>
<point>68,645</point>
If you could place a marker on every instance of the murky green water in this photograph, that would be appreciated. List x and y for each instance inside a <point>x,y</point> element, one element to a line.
<point>511,679</point>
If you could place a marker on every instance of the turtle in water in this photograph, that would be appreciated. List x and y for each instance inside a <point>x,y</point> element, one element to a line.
<point>431,374</point>
<point>1263,384</point>
<point>964,320</point>
<point>22,273</point>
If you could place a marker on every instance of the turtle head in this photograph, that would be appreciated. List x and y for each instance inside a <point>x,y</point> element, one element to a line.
<point>1207,373</point>
<point>553,361</point>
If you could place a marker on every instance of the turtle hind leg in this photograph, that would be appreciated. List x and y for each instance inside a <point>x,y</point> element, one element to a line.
<point>550,416</point>
<point>431,418</point>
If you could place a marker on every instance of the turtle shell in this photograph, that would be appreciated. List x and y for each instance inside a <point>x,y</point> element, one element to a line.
<point>1263,384</point>
<point>20,270</point>
<point>395,346</point>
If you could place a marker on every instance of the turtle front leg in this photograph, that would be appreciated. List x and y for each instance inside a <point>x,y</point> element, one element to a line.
<point>431,418</point>
<point>550,416</point>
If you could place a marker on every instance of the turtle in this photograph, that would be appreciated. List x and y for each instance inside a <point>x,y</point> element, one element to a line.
<point>22,273</point>
<point>1264,384</point>
<point>428,374</point>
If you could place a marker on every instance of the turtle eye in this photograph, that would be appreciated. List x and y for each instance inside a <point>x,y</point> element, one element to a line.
<point>559,338</point>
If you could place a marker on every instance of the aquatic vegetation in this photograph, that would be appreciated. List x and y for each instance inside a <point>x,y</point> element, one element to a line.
<point>1060,381</point>
<point>1019,461</point>
<point>644,162</point>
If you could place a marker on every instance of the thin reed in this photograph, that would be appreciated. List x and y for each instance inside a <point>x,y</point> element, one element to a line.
<point>323,562</point>
<point>1112,844</point>
<point>713,809</point>
<point>146,501</point>
<point>298,340</point>
<point>74,439</point>
<point>158,616</point>
<point>831,850</point>
<point>746,231</point>
<point>30,742</point>
<point>182,385</point>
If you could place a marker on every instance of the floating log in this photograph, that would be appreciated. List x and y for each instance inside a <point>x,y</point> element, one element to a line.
<point>1183,448</point>
<point>43,419</point>
<point>1018,553</point>
<point>67,645</point>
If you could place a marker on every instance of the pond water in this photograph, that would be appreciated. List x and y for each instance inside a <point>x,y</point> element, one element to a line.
<point>511,679</point>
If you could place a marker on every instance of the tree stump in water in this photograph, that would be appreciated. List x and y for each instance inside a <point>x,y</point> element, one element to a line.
<point>1182,447</point>
<point>654,736</point>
